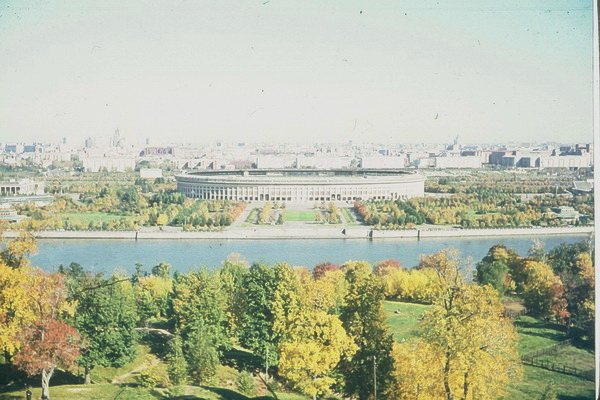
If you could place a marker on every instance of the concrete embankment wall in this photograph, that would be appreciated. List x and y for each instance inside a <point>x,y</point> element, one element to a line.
<point>319,232</point>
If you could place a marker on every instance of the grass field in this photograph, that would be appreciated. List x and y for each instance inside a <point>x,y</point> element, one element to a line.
<point>251,219</point>
<point>304,216</point>
<point>405,324</point>
<point>536,334</point>
<point>347,216</point>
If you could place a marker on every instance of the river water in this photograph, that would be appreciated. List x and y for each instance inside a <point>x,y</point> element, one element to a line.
<point>109,255</point>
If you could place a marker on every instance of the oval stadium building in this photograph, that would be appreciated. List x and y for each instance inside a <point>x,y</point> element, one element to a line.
<point>301,185</point>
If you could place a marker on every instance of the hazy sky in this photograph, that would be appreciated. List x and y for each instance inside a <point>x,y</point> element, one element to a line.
<point>285,70</point>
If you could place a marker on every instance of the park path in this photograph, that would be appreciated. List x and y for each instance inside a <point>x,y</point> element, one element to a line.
<point>122,378</point>
<point>242,218</point>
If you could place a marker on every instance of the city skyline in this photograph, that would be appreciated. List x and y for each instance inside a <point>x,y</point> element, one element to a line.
<point>291,72</point>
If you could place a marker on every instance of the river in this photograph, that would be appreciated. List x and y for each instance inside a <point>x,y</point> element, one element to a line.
<point>109,255</point>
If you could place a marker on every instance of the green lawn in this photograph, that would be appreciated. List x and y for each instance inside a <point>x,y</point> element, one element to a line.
<point>347,216</point>
<point>252,216</point>
<point>536,334</point>
<point>535,380</point>
<point>298,215</point>
<point>405,324</point>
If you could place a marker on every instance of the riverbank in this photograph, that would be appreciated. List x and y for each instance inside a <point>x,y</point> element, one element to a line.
<point>306,232</point>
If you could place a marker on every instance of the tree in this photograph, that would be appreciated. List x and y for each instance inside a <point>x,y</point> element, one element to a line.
<point>199,304</point>
<point>383,267</point>
<point>106,318</point>
<point>177,364</point>
<point>542,290</point>
<point>363,318</point>
<point>232,275</point>
<point>16,252</point>
<point>286,302</point>
<point>16,306</point>
<point>202,354</point>
<point>256,330</point>
<point>478,344</point>
<point>418,372</point>
<point>322,268</point>
<point>307,357</point>
<point>47,344</point>
<point>492,273</point>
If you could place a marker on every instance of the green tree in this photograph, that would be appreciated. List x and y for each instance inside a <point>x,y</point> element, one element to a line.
<point>232,275</point>
<point>363,318</point>
<point>202,355</point>
<point>256,332</point>
<point>199,305</point>
<point>106,318</point>
<point>177,363</point>
<point>492,273</point>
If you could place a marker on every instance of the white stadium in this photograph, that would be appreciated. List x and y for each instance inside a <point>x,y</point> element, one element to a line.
<point>301,185</point>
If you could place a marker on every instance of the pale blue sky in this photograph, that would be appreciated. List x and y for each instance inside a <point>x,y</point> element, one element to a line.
<point>284,70</point>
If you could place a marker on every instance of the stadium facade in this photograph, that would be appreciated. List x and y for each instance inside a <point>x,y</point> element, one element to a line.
<point>301,185</point>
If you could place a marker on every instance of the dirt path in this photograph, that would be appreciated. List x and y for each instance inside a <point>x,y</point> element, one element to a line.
<point>122,378</point>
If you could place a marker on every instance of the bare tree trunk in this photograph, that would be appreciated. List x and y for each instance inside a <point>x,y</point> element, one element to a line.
<point>46,375</point>
<point>87,375</point>
<point>447,387</point>
<point>466,386</point>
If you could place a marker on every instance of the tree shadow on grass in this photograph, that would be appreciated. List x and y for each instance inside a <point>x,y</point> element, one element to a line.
<point>542,329</point>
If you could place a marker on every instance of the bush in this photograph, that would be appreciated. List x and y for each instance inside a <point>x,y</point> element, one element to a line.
<point>153,377</point>
<point>245,384</point>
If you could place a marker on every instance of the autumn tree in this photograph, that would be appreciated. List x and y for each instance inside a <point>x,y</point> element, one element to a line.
<point>476,341</point>
<point>322,268</point>
<point>47,343</point>
<point>363,318</point>
<point>308,355</point>
<point>386,266</point>
<point>16,306</point>
<point>199,314</point>
<point>418,372</point>
<point>542,291</point>
<point>286,302</point>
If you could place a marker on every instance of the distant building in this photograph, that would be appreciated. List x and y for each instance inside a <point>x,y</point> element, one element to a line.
<point>566,213</point>
<point>457,162</point>
<point>158,151</point>
<point>384,162</point>
<point>21,187</point>
<point>583,187</point>
<point>96,164</point>
<point>301,185</point>
<point>151,173</point>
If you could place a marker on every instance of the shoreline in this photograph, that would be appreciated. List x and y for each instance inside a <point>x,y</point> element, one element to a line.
<point>280,232</point>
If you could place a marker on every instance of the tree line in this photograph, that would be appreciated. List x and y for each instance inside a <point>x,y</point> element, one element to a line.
<point>324,331</point>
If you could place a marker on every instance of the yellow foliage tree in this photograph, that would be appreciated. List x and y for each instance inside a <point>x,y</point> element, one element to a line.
<point>16,305</point>
<point>308,357</point>
<point>478,344</point>
<point>418,371</point>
